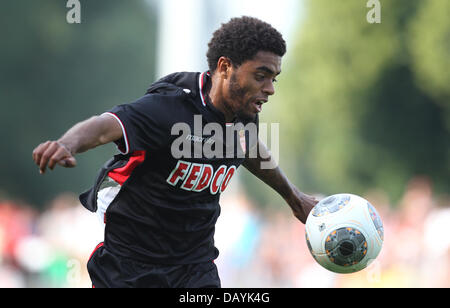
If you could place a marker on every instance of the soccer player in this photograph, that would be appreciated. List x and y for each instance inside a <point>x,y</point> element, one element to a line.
<point>159,206</point>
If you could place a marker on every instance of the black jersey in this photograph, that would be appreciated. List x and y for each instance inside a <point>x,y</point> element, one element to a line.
<point>168,204</point>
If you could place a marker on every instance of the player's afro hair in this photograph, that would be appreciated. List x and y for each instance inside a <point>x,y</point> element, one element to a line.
<point>241,39</point>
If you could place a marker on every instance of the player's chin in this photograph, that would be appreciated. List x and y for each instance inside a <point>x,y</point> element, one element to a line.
<point>247,116</point>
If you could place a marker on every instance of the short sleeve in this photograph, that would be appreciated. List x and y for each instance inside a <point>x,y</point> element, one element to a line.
<point>141,123</point>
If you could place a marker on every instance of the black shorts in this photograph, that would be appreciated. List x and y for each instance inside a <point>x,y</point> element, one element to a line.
<point>111,271</point>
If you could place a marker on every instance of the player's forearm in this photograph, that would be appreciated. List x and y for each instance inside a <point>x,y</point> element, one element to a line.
<point>88,134</point>
<point>300,203</point>
<point>273,177</point>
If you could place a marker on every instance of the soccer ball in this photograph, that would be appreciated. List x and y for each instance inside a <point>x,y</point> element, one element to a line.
<point>344,233</point>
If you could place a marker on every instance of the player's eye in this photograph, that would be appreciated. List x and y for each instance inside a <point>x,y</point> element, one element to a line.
<point>259,77</point>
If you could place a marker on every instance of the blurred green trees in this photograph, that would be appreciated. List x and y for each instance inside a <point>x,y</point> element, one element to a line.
<point>54,74</point>
<point>360,105</point>
<point>365,105</point>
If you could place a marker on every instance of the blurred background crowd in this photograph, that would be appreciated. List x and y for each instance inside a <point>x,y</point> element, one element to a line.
<point>362,108</point>
<point>258,248</point>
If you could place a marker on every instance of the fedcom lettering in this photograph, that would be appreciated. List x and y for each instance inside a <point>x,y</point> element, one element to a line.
<point>246,297</point>
<point>198,177</point>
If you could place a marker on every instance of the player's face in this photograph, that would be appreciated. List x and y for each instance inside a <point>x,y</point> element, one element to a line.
<point>252,83</point>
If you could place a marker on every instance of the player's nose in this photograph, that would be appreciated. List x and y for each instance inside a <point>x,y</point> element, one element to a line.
<point>268,88</point>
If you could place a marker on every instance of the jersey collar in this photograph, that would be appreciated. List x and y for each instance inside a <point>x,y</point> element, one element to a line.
<point>203,83</point>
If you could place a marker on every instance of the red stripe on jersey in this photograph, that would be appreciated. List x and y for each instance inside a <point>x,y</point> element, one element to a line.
<point>120,175</point>
<point>96,248</point>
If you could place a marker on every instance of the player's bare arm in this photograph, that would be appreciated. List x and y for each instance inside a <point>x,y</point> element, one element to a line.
<point>85,135</point>
<point>300,203</point>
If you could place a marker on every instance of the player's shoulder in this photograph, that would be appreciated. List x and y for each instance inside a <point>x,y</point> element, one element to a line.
<point>174,93</point>
<point>176,84</point>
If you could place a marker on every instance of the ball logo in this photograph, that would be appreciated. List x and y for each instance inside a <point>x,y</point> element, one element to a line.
<point>198,177</point>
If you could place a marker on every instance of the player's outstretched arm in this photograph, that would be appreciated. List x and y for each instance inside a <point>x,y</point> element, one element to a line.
<point>300,203</point>
<point>95,131</point>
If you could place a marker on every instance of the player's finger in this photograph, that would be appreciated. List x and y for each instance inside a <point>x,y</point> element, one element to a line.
<point>34,153</point>
<point>59,155</point>
<point>46,156</point>
<point>38,151</point>
<point>68,162</point>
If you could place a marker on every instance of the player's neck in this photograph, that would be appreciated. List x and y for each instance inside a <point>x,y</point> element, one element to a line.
<point>215,94</point>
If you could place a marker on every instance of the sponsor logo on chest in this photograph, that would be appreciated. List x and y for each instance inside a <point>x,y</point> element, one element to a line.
<point>198,177</point>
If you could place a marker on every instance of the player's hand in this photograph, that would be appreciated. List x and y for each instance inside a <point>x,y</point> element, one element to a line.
<point>301,204</point>
<point>51,153</point>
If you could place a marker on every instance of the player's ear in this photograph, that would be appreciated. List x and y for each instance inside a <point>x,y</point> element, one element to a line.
<point>224,67</point>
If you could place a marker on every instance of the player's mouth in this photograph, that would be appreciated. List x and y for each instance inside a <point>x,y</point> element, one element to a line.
<point>258,105</point>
